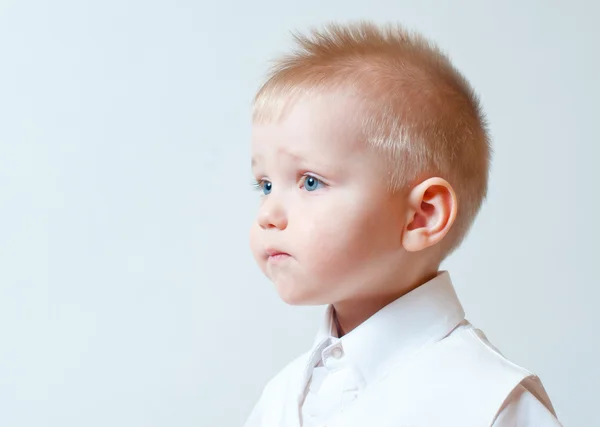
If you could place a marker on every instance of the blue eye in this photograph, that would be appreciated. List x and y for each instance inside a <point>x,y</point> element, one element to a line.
<point>311,183</point>
<point>266,186</point>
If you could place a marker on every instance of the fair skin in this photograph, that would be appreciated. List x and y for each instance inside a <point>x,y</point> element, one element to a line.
<point>328,231</point>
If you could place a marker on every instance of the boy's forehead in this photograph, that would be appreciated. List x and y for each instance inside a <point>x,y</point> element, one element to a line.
<point>270,144</point>
<point>322,121</point>
<point>283,156</point>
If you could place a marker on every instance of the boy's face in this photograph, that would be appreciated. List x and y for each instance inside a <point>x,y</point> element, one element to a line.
<point>327,206</point>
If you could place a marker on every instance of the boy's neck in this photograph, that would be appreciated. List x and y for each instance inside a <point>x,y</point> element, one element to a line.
<point>347,315</point>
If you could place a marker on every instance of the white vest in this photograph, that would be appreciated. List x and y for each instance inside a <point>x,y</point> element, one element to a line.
<point>461,380</point>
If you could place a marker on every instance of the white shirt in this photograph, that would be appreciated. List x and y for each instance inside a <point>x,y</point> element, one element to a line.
<point>339,371</point>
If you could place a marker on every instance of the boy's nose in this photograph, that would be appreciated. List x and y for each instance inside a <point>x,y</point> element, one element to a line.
<point>272,215</point>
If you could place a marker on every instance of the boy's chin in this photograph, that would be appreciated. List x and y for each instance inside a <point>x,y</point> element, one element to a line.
<point>295,294</point>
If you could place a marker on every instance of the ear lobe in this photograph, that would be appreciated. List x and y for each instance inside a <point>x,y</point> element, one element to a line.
<point>431,212</point>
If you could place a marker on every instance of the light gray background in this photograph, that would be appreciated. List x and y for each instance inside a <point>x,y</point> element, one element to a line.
<point>128,295</point>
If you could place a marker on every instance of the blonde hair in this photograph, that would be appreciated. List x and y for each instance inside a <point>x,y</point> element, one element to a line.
<point>416,107</point>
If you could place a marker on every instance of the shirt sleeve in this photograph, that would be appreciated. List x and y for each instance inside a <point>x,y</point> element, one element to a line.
<point>523,409</point>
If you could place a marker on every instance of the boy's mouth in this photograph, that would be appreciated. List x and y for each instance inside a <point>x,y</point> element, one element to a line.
<point>276,254</point>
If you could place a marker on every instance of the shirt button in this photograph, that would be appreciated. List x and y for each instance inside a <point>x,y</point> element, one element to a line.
<point>337,353</point>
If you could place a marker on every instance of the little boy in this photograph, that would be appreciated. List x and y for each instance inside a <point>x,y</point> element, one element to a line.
<point>371,153</point>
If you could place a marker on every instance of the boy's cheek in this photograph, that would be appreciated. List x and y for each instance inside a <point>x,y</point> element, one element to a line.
<point>256,246</point>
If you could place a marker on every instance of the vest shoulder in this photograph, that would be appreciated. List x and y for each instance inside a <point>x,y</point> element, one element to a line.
<point>469,344</point>
<point>478,348</point>
<point>462,379</point>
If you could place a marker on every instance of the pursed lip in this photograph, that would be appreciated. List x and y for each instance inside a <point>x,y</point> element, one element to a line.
<point>274,253</point>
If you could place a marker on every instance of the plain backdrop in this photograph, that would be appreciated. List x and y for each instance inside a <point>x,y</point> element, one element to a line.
<point>128,294</point>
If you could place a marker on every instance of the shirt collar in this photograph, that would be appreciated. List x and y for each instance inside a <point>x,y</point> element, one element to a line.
<point>399,330</point>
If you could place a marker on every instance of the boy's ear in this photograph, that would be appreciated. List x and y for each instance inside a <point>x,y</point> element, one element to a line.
<point>431,211</point>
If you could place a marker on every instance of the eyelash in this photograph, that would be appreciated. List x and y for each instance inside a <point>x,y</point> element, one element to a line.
<point>257,185</point>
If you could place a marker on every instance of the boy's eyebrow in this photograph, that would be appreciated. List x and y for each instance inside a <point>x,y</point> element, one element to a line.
<point>296,157</point>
